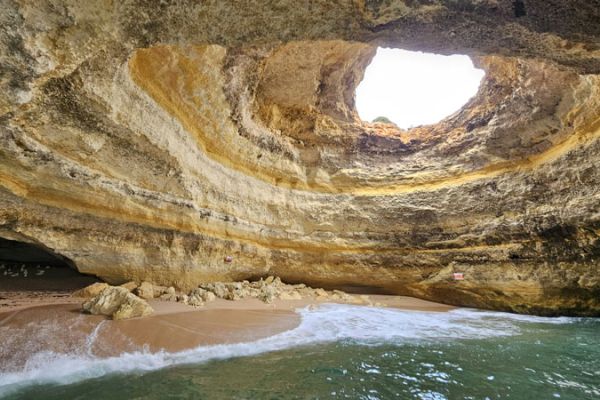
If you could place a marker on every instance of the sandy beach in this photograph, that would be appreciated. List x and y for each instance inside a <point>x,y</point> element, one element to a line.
<point>38,314</point>
<point>63,328</point>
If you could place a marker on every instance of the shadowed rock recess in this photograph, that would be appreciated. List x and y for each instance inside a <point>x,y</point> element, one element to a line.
<point>147,140</point>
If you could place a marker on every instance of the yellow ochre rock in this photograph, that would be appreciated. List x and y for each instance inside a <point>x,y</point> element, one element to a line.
<point>117,302</point>
<point>196,142</point>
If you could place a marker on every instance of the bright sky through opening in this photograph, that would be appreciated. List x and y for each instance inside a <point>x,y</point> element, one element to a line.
<point>413,88</point>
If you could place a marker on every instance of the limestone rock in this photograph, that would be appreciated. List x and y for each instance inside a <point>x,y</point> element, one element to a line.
<point>131,286</point>
<point>339,295</point>
<point>168,297</point>
<point>183,298</point>
<point>208,297</point>
<point>290,295</point>
<point>269,280</point>
<point>167,294</point>
<point>132,308</point>
<point>195,301</point>
<point>161,290</point>
<point>205,295</point>
<point>199,296</point>
<point>118,303</point>
<point>151,143</point>
<point>267,290</point>
<point>268,295</point>
<point>145,290</point>
<point>90,291</point>
<point>218,288</point>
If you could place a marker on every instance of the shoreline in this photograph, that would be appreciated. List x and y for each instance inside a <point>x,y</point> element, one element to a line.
<point>173,327</point>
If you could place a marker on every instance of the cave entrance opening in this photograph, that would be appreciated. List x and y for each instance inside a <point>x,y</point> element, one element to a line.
<point>410,89</point>
<point>26,268</point>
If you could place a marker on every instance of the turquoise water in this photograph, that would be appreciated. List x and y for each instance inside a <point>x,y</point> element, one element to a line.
<point>346,352</point>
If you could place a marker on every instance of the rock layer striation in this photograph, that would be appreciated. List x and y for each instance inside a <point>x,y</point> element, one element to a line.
<point>149,141</point>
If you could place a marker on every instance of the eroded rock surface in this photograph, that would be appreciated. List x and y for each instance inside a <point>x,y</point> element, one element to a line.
<point>148,141</point>
<point>90,291</point>
<point>267,290</point>
<point>118,303</point>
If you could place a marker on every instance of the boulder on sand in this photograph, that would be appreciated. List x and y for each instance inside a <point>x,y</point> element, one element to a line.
<point>119,303</point>
<point>267,290</point>
<point>290,295</point>
<point>169,295</point>
<point>145,290</point>
<point>90,291</point>
<point>203,294</point>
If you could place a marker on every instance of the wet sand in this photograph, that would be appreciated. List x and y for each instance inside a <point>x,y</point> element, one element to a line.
<point>176,327</point>
<point>38,314</point>
<point>62,328</point>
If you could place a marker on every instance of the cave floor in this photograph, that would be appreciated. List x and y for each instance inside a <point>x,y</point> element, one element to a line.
<point>25,285</point>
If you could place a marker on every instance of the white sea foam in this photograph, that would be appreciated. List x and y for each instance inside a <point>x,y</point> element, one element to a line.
<point>91,339</point>
<point>327,323</point>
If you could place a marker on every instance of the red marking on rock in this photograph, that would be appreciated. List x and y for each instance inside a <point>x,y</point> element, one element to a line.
<point>458,276</point>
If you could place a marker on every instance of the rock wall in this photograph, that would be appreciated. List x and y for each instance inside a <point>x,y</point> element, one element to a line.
<point>148,141</point>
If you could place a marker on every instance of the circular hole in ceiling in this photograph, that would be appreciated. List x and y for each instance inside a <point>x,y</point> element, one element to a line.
<point>412,88</point>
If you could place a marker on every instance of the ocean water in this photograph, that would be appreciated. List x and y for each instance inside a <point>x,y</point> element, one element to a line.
<point>346,352</point>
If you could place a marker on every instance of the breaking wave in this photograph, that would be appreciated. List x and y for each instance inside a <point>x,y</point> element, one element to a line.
<point>327,323</point>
